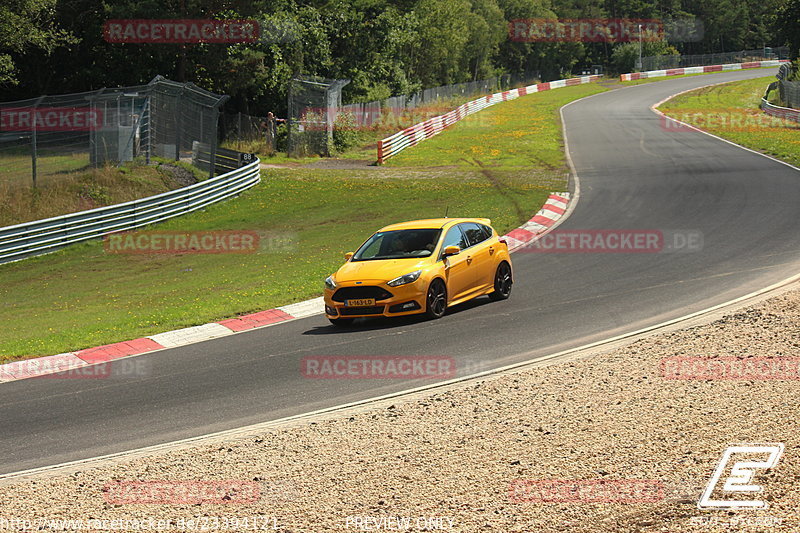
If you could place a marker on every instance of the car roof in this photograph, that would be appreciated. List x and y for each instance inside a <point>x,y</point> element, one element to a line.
<point>433,223</point>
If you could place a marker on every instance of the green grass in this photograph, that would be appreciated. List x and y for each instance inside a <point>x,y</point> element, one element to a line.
<point>82,296</point>
<point>88,188</point>
<point>513,138</point>
<point>731,111</point>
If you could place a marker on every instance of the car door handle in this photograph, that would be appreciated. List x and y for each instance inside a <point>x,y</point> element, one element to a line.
<point>469,260</point>
<point>491,250</point>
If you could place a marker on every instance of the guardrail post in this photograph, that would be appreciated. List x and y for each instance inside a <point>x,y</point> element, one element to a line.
<point>380,152</point>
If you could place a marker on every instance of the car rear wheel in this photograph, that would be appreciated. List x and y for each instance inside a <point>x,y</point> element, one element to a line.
<point>437,299</point>
<point>341,322</point>
<point>502,282</point>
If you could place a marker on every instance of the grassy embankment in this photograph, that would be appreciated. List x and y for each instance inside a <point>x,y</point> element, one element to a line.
<point>500,163</point>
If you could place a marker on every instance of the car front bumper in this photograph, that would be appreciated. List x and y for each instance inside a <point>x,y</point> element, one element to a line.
<point>406,299</point>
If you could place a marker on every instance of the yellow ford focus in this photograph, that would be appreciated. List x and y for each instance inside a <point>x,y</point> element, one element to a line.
<point>422,266</point>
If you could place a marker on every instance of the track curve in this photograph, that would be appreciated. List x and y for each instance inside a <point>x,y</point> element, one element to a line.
<point>633,175</point>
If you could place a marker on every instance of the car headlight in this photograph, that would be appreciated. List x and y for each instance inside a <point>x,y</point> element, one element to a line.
<point>403,280</point>
<point>330,283</point>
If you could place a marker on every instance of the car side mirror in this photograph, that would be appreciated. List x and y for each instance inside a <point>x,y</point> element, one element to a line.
<point>451,250</point>
<point>348,255</point>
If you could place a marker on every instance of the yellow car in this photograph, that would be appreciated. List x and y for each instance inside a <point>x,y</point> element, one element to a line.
<point>422,266</point>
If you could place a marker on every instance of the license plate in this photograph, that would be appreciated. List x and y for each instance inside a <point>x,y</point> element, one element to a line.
<point>362,302</point>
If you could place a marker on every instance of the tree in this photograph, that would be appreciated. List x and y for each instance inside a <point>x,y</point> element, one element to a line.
<point>787,26</point>
<point>24,25</point>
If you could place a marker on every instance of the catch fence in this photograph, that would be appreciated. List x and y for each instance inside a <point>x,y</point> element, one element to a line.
<point>44,138</point>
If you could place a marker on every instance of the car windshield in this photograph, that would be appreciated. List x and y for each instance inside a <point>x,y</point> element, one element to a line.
<point>399,244</point>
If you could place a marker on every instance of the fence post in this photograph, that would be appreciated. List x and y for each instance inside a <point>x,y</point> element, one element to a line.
<point>218,109</point>
<point>178,125</point>
<point>380,152</point>
<point>34,155</point>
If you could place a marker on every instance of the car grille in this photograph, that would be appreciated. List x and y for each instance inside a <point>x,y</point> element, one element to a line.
<point>375,310</point>
<point>354,293</point>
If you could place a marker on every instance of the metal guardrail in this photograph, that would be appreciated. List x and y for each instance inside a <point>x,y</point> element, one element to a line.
<point>777,111</point>
<point>417,133</point>
<point>44,236</point>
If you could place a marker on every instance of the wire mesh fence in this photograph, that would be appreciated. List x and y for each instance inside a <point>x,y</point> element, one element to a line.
<point>696,60</point>
<point>45,138</point>
<point>314,113</point>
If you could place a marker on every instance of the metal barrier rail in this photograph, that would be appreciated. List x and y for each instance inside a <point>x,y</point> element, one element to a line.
<point>417,133</point>
<point>699,70</point>
<point>44,236</point>
<point>777,111</point>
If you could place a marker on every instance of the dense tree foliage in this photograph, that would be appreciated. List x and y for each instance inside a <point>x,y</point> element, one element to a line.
<point>386,47</point>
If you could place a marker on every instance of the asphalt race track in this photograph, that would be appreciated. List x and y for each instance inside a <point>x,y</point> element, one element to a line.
<point>634,174</point>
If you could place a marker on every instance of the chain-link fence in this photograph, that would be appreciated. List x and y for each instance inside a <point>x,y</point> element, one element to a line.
<point>313,117</point>
<point>696,60</point>
<point>369,114</point>
<point>44,138</point>
<point>313,102</point>
<point>788,91</point>
<point>242,127</point>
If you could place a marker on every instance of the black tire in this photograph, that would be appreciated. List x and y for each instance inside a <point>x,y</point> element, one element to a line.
<point>341,322</point>
<point>502,282</point>
<point>436,300</point>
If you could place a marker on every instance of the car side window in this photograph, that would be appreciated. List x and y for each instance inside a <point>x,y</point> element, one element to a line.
<point>474,233</point>
<point>454,237</point>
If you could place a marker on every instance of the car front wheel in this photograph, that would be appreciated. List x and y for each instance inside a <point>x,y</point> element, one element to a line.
<point>502,282</point>
<point>437,299</point>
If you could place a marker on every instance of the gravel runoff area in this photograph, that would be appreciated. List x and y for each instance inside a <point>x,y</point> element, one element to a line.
<point>444,460</point>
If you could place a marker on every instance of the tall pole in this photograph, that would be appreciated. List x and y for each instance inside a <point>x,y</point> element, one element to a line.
<point>639,62</point>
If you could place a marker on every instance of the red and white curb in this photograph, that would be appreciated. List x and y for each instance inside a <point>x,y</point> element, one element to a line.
<point>699,70</point>
<point>553,209</point>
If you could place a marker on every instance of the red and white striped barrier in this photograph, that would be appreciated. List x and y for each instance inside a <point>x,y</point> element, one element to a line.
<point>699,70</point>
<point>417,133</point>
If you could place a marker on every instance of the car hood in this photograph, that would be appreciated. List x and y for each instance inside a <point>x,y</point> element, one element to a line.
<point>379,269</point>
